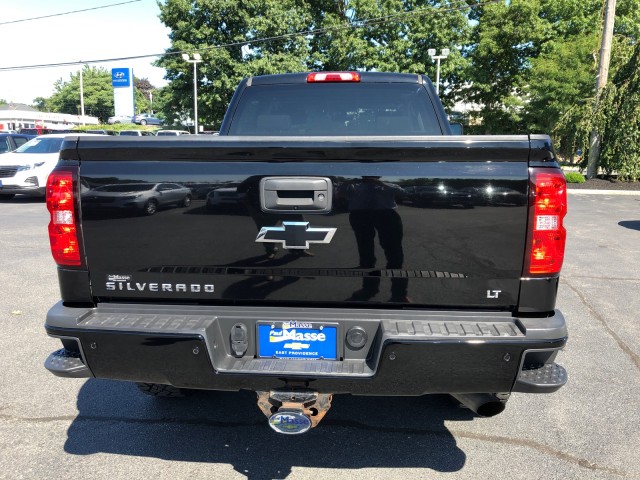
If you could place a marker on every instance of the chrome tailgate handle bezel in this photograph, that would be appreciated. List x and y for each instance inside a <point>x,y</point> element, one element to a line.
<point>296,194</point>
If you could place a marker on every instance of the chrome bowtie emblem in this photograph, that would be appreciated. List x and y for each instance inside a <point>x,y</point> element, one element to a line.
<point>295,235</point>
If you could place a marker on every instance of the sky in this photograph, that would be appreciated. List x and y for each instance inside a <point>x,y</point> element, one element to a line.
<point>118,31</point>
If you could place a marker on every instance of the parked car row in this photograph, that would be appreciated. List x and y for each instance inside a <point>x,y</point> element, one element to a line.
<point>140,119</point>
<point>146,133</point>
<point>27,161</point>
<point>25,170</point>
<point>10,141</point>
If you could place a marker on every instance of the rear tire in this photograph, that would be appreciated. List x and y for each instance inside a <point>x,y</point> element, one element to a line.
<point>187,201</point>
<point>143,122</point>
<point>160,390</point>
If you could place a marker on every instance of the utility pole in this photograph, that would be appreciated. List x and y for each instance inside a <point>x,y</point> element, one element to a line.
<point>196,60</point>
<point>601,81</point>
<point>81,94</point>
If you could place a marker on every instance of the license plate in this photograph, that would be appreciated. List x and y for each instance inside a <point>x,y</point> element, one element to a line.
<point>303,340</point>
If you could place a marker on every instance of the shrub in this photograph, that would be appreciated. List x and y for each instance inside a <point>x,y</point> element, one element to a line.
<point>574,177</point>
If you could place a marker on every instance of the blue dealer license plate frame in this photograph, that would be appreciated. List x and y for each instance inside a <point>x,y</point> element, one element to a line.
<point>297,340</point>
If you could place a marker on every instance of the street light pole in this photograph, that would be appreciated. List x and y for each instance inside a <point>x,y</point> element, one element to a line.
<point>443,54</point>
<point>196,60</point>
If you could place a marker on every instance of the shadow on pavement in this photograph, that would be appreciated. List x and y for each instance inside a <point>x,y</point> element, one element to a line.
<point>22,199</point>
<point>631,224</point>
<point>228,428</point>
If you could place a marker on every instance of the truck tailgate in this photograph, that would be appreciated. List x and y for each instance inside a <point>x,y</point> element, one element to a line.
<point>424,221</point>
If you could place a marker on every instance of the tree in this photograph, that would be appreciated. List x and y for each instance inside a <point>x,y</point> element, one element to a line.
<point>505,39</point>
<point>98,94</point>
<point>97,89</point>
<point>621,121</point>
<point>40,103</point>
<point>144,94</point>
<point>342,36</point>
<point>532,63</point>
<point>563,87</point>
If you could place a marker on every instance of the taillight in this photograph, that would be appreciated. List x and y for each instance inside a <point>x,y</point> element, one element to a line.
<point>63,232</point>
<point>547,234</point>
<point>333,77</point>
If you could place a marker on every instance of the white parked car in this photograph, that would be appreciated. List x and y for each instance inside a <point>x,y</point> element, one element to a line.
<point>119,119</point>
<point>136,133</point>
<point>25,170</point>
<point>169,133</point>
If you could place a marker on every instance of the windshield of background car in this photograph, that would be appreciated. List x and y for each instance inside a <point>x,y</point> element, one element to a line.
<point>335,109</point>
<point>41,145</point>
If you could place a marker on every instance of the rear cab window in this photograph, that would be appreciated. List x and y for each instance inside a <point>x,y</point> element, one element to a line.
<point>335,109</point>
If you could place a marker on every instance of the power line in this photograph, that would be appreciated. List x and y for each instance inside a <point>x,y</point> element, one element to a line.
<point>68,13</point>
<point>356,24</point>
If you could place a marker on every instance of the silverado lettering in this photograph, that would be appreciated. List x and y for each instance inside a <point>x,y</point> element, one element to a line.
<point>155,287</point>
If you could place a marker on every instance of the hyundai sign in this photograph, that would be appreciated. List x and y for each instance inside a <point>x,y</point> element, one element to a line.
<point>124,99</point>
<point>120,77</point>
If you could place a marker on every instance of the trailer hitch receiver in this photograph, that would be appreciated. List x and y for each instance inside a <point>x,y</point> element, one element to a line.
<point>294,411</point>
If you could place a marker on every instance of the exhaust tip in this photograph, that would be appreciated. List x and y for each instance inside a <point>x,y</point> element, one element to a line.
<point>491,409</point>
<point>484,404</point>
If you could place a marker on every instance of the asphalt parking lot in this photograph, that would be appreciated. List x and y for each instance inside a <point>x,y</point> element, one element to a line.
<point>51,427</point>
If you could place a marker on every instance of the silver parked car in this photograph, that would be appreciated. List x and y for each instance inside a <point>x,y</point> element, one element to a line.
<point>145,198</point>
<point>146,119</point>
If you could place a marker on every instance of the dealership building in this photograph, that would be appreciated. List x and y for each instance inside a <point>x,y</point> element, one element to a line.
<point>14,116</point>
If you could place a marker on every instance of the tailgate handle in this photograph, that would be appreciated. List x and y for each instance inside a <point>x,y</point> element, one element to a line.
<point>296,194</point>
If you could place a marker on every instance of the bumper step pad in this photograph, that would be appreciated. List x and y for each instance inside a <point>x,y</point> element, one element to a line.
<point>66,363</point>
<point>540,378</point>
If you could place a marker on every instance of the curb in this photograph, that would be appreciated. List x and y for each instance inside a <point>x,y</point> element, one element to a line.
<point>584,191</point>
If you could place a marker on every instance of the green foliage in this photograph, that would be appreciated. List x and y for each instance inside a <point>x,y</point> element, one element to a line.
<point>345,43</point>
<point>616,116</point>
<point>533,64</point>
<point>574,177</point>
<point>528,65</point>
<point>98,94</point>
<point>620,112</point>
<point>118,127</point>
<point>572,130</point>
<point>40,103</point>
<point>507,36</point>
<point>561,76</point>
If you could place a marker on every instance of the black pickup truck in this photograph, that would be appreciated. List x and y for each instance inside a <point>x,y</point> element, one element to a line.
<point>334,238</point>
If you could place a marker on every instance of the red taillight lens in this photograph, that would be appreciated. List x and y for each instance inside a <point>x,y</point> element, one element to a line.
<point>63,236</point>
<point>333,77</point>
<point>547,235</point>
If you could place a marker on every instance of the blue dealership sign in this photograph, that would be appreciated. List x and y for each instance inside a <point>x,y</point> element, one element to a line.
<point>120,77</point>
